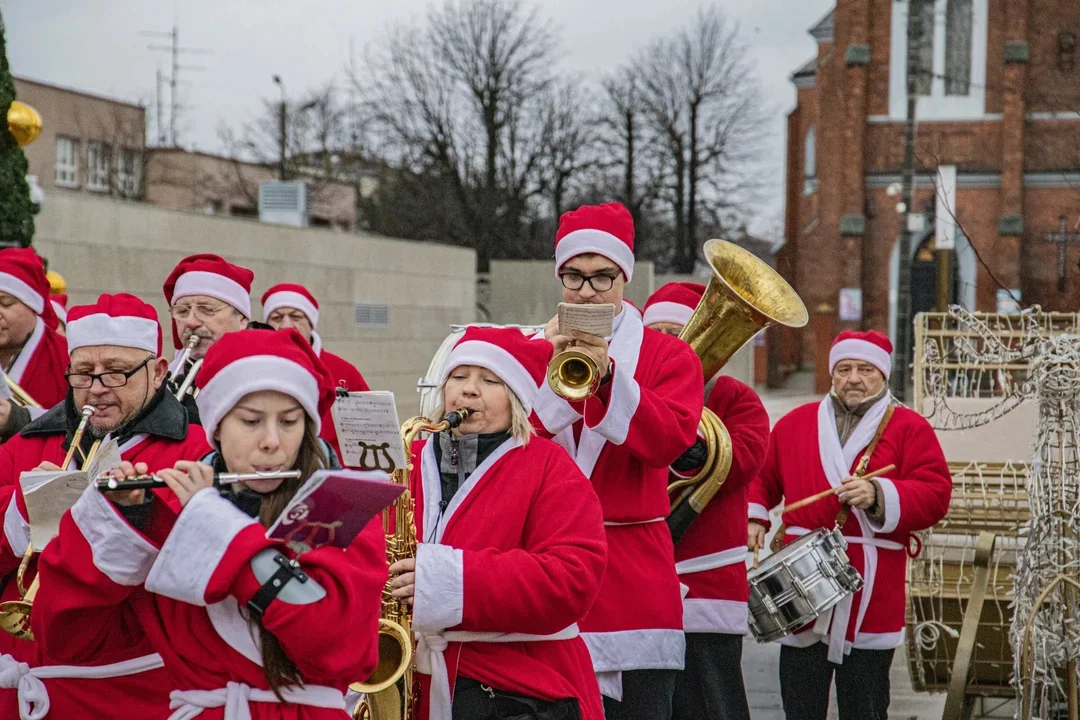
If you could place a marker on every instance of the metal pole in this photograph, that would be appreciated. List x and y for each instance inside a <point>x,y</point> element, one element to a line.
<point>902,355</point>
<point>172,84</point>
<point>282,136</point>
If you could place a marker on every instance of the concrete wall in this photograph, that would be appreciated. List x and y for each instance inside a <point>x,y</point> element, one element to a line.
<point>527,292</point>
<point>101,245</point>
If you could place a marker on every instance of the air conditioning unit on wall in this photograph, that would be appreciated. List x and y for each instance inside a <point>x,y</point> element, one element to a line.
<point>283,203</point>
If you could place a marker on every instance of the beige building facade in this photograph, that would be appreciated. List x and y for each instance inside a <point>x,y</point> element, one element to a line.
<point>88,143</point>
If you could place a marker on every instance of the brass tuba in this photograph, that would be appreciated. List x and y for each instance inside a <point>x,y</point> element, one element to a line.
<point>744,297</point>
<point>389,692</point>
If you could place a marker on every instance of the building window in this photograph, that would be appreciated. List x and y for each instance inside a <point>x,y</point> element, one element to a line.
<point>810,162</point>
<point>67,162</point>
<point>949,57</point>
<point>958,31</point>
<point>130,172</point>
<point>212,207</point>
<point>98,165</point>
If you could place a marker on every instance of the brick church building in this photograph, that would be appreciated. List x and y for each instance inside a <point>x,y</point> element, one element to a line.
<point>998,146</point>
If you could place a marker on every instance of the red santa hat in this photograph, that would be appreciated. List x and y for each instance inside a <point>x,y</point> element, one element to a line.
<point>22,275</point>
<point>606,230</point>
<point>213,276</point>
<point>248,361</point>
<point>869,346</point>
<point>673,303</point>
<point>59,303</point>
<point>294,296</point>
<point>123,320</point>
<point>521,363</point>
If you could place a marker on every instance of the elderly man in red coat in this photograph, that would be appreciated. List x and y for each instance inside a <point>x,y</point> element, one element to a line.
<point>287,305</point>
<point>644,414</point>
<point>823,445</point>
<point>117,369</point>
<point>32,353</point>
<point>710,554</point>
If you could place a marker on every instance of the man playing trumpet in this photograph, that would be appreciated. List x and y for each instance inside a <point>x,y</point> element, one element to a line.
<point>854,431</point>
<point>207,297</point>
<point>643,415</point>
<point>117,371</point>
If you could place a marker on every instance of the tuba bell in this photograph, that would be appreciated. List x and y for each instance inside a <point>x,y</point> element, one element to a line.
<point>744,297</point>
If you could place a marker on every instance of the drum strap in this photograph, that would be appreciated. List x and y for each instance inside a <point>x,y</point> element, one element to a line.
<point>860,469</point>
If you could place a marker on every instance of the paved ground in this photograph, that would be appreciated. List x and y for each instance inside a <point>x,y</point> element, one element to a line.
<point>760,662</point>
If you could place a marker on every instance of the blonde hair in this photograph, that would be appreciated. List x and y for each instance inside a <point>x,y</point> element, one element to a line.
<point>520,427</point>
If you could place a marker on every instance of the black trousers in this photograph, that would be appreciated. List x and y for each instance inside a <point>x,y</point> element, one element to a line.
<point>712,684</point>
<point>862,683</point>
<point>647,695</point>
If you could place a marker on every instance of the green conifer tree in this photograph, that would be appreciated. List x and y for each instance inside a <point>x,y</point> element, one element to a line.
<point>16,210</point>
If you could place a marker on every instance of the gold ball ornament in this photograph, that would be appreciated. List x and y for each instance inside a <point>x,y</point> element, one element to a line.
<point>57,284</point>
<point>24,123</point>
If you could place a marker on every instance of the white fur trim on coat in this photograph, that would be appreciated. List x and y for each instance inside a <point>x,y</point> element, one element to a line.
<point>497,360</point>
<point>199,540</point>
<point>621,407</point>
<point>16,529</point>
<point>671,312</point>
<point>288,298</point>
<point>200,282</point>
<point>756,511</point>
<point>853,349</point>
<point>104,329</point>
<point>644,649</point>
<point>440,587</point>
<point>582,242</point>
<point>891,503</point>
<point>252,374</point>
<point>121,553</point>
<point>701,615</point>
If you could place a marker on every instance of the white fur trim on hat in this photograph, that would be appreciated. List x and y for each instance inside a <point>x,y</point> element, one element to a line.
<point>60,310</point>
<point>854,349</point>
<point>200,282</point>
<point>581,242</point>
<point>22,292</point>
<point>104,329</point>
<point>288,298</point>
<point>252,374</point>
<point>671,312</point>
<point>498,361</point>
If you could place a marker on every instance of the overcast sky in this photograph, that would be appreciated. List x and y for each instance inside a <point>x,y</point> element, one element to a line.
<point>95,45</point>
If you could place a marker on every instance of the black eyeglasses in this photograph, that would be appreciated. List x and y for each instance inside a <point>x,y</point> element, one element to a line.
<point>599,283</point>
<point>114,379</point>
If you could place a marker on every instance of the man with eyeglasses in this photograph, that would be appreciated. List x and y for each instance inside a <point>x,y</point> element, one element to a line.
<point>288,305</point>
<point>208,297</point>
<point>32,353</point>
<point>115,368</point>
<point>852,432</point>
<point>643,416</point>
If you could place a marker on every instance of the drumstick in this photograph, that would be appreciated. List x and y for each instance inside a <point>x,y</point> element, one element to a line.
<point>832,491</point>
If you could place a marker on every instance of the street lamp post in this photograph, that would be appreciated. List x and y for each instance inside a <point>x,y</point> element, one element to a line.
<point>282,136</point>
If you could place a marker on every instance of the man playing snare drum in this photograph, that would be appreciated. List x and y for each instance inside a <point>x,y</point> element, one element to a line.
<point>822,445</point>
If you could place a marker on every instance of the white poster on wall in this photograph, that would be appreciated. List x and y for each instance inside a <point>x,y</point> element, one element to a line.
<point>850,304</point>
<point>945,208</point>
<point>1008,302</point>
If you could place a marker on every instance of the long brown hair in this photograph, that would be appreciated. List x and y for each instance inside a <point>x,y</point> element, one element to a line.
<point>279,669</point>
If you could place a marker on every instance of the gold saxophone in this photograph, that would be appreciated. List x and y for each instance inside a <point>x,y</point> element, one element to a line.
<point>390,693</point>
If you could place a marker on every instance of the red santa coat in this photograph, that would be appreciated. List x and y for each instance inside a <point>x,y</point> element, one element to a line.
<point>183,583</point>
<point>39,368</point>
<point>711,557</point>
<point>140,690</point>
<point>516,557</point>
<point>346,376</point>
<point>804,458</point>
<point>630,432</point>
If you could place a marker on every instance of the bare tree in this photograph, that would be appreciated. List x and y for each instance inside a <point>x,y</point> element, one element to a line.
<point>570,141</point>
<point>458,99</point>
<point>705,106</point>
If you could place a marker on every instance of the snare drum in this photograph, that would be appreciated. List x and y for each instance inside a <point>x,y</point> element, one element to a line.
<point>793,587</point>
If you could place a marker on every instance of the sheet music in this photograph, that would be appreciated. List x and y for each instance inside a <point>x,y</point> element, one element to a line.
<point>48,495</point>
<point>593,319</point>
<point>369,432</point>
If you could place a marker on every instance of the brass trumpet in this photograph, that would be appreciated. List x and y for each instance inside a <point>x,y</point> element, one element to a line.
<point>744,297</point>
<point>573,375</point>
<point>20,396</point>
<point>15,614</point>
<point>390,693</point>
<point>189,378</point>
